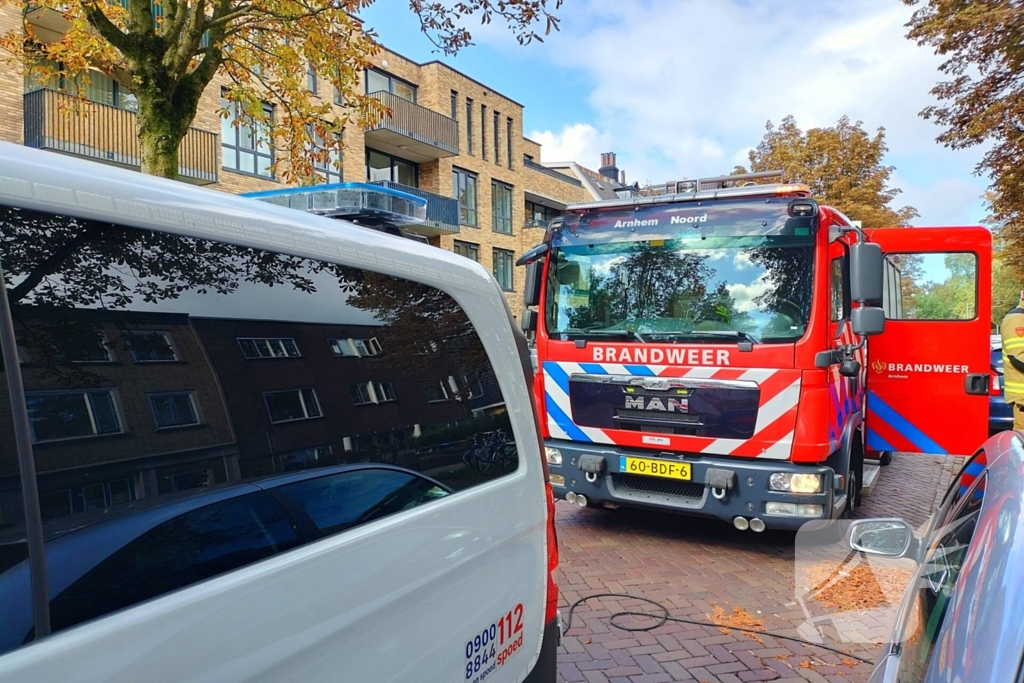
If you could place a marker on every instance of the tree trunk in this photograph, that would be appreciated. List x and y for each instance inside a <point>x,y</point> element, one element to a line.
<point>161,129</point>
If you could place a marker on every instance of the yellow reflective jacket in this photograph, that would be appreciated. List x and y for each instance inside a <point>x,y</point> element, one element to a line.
<point>1012,332</point>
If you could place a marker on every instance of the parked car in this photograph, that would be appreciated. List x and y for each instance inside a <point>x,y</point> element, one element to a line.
<point>1000,413</point>
<point>247,426</point>
<point>960,619</point>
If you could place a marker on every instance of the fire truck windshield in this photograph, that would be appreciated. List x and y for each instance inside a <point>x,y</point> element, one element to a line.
<point>693,290</point>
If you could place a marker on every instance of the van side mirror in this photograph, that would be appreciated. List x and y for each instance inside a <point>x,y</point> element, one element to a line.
<point>867,321</point>
<point>531,288</point>
<point>866,266</point>
<point>884,537</point>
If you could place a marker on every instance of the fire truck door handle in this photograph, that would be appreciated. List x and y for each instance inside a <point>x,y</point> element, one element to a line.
<point>976,384</point>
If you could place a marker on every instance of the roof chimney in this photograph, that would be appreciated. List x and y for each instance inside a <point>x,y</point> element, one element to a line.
<point>608,168</point>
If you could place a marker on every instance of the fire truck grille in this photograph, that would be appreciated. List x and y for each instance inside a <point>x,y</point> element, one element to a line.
<point>625,414</point>
<point>664,487</point>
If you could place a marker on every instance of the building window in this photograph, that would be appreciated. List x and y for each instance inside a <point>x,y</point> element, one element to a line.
<point>538,215</point>
<point>84,346</point>
<point>474,387</point>
<point>354,348</point>
<point>151,347</point>
<point>246,147</point>
<point>501,207</point>
<point>54,416</point>
<point>464,188</point>
<point>468,249</point>
<point>89,497</point>
<point>305,459</point>
<point>504,262</point>
<point>269,348</point>
<point>311,79</point>
<point>455,105</point>
<point>378,81</point>
<point>292,405</point>
<point>381,166</point>
<point>437,392</point>
<point>372,392</point>
<point>494,129</point>
<point>508,140</point>
<point>469,125</point>
<point>483,131</point>
<point>174,410</point>
<point>339,99</point>
<point>327,165</point>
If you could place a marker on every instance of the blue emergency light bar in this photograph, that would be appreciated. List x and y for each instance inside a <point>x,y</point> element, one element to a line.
<point>364,203</point>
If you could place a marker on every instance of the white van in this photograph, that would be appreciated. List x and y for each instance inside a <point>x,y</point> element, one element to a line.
<point>266,445</point>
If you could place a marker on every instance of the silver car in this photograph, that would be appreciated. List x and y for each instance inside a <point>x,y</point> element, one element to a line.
<point>961,618</point>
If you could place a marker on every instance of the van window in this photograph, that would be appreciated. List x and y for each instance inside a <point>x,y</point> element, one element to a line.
<point>341,501</point>
<point>200,364</point>
<point>198,545</point>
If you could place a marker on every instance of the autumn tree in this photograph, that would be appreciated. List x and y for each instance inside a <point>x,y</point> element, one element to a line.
<point>842,164</point>
<point>167,52</point>
<point>983,100</point>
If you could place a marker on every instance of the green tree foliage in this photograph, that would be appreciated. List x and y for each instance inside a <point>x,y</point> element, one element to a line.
<point>166,53</point>
<point>982,102</point>
<point>842,164</point>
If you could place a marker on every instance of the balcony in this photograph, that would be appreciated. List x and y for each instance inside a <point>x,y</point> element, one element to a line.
<point>413,132</point>
<point>442,212</point>
<point>62,123</point>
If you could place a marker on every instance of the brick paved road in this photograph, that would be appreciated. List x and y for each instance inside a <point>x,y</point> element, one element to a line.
<point>693,566</point>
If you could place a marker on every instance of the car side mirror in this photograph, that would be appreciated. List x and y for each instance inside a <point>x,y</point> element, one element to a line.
<point>866,266</point>
<point>867,321</point>
<point>885,537</point>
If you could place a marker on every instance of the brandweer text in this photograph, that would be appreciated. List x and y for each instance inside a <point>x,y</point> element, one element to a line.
<point>673,356</point>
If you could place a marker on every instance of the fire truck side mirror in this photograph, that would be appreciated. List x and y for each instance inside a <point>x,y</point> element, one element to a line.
<point>866,265</point>
<point>528,321</point>
<point>531,289</point>
<point>866,321</point>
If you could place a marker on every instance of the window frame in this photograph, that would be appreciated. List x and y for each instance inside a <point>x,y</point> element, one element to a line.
<point>497,142</point>
<point>844,288</point>
<point>444,392</point>
<point>469,126</point>
<point>504,256</point>
<point>371,346</point>
<point>392,167</point>
<point>302,402</point>
<point>501,191</point>
<point>312,84</point>
<point>462,179</point>
<point>89,411</point>
<point>193,403</point>
<point>483,131</point>
<point>270,341</point>
<point>167,337</point>
<point>508,135</point>
<point>391,84</point>
<point>460,246</point>
<point>330,170</point>
<point>236,145</point>
<point>455,105</point>
<point>899,285</point>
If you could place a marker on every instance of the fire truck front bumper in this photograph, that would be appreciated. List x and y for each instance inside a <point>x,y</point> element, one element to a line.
<point>749,493</point>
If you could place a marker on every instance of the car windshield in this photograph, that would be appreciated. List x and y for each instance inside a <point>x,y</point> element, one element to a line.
<point>756,288</point>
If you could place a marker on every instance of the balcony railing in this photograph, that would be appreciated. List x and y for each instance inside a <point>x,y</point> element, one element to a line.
<point>63,123</point>
<point>442,212</point>
<point>537,223</point>
<point>412,131</point>
<point>529,163</point>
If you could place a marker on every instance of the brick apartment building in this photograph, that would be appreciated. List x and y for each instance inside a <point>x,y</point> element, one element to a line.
<point>451,139</point>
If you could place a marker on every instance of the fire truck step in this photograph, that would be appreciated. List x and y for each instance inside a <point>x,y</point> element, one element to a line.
<point>870,478</point>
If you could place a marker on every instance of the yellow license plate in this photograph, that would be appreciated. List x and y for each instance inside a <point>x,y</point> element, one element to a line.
<point>669,469</point>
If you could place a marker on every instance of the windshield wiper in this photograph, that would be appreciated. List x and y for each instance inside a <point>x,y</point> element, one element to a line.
<point>735,334</point>
<point>628,334</point>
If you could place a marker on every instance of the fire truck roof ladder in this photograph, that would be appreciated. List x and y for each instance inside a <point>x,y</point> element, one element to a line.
<point>721,187</point>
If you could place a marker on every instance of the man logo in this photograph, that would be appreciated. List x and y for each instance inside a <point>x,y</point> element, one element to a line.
<point>879,366</point>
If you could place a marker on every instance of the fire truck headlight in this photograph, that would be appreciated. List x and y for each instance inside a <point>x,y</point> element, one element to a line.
<point>792,482</point>
<point>554,455</point>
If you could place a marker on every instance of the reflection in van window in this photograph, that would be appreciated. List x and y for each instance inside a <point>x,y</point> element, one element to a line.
<point>933,286</point>
<point>161,367</point>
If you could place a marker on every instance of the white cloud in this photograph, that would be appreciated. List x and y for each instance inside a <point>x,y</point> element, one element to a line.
<point>683,88</point>
<point>743,295</point>
<point>576,142</point>
<point>741,261</point>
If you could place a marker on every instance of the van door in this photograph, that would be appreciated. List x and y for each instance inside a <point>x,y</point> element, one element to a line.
<point>927,375</point>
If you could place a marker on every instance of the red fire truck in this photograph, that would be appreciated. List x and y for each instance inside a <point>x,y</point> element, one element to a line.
<point>705,349</point>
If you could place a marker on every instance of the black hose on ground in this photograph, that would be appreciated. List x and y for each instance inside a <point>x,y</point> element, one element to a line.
<point>666,617</point>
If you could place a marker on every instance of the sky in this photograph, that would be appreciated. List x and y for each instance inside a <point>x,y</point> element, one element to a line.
<point>684,88</point>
